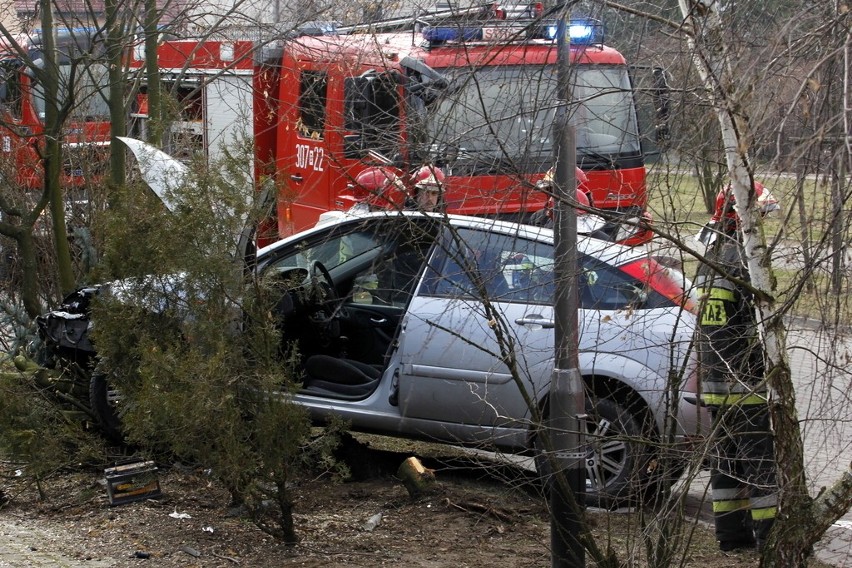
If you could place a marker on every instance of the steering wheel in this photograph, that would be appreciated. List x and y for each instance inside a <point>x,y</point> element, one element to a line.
<point>323,286</point>
<point>326,303</point>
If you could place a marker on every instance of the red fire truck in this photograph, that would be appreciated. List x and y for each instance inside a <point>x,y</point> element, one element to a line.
<point>474,94</point>
<point>85,135</point>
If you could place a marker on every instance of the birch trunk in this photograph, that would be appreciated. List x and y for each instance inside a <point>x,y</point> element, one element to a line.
<point>801,520</point>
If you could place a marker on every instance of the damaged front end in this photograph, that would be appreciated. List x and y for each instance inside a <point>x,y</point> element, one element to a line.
<point>65,330</point>
<point>67,357</point>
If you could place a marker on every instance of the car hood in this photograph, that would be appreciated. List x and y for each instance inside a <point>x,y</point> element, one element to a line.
<point>165,175</point>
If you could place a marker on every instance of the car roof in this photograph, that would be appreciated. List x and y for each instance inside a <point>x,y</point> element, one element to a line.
<point>604,250</point>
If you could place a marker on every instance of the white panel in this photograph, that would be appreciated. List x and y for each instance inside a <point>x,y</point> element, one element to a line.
<point>228,113</point>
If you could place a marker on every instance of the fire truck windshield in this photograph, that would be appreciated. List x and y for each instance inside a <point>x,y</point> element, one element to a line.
<point>503,115</point>
<point>90,88</point>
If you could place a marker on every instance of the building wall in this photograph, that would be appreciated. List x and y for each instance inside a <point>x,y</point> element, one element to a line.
<point>9,17</point>
<point>198,16</point>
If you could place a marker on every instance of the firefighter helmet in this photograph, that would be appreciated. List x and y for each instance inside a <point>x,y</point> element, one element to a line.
<point>725,201</point>
<point>584,201</point>
<point>428,177</point>
<point>379,188</point>
<point>580,175</point>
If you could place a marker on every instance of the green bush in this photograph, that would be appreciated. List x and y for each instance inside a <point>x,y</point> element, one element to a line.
<point>192,352</point>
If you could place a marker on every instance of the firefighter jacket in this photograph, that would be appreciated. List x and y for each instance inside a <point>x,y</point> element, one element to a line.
<point>730,350</point>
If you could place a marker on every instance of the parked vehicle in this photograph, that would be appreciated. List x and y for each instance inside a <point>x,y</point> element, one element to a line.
<point>400,338</point>
<point>85,149</point>
<point>474,93</point>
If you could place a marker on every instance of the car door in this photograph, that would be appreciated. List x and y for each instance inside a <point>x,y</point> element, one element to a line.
<point>484,294</point>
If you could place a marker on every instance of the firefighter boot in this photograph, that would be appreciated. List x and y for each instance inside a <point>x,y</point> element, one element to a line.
<point>731,512</point>
<point>734,531</point>
<point>761,531</point>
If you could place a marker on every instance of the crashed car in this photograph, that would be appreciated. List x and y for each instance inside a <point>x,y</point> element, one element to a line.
<point>402,341</point>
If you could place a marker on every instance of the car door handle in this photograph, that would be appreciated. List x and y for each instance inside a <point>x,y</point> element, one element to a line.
<point>378,321</point>
<point>536,320</point>
<point>297,178</point>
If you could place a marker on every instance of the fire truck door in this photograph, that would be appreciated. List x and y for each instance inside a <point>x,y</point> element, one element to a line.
<point>308,166</point>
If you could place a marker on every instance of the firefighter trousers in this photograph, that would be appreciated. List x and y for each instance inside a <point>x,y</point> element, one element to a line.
<point>743,477</point>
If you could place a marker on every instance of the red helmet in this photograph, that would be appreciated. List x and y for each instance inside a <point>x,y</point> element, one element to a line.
<point>582,200</point>
<point>582,178</point>
<point>380,189</point>
<point>429,175</point>
<point>725,201</point>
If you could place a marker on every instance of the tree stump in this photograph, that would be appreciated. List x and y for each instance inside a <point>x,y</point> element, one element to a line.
<point>416,478</point>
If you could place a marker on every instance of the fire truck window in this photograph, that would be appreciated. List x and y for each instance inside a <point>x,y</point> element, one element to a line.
<point>312,98</point>
<point>10,89</point>
<point>382,128</point>
<point>372,108</point>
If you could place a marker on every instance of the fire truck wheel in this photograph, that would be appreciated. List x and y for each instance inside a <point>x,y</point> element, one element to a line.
<point>103,398</point>
<point>615,462</point>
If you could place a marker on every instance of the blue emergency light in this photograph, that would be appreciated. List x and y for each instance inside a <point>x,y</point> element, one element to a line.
<point>443,34</point>
<point>580,32</point>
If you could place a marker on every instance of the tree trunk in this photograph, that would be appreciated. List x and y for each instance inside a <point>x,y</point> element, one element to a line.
<point>117,106</point>
<point>29,272</point>
<point>416,478</point>
<point>152,75</point>
<point>52,157</point>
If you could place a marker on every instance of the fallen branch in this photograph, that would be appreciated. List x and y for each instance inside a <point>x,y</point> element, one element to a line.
<point>481,509</point>
<point>223,557</point>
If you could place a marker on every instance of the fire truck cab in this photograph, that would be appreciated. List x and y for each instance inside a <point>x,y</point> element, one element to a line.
<point>475,96</point>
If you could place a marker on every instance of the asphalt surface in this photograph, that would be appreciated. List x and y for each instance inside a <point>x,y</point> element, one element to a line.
<point>820,363</point>
<point>24,545</point>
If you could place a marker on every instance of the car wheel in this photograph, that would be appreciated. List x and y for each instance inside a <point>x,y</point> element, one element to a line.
<point>616,461</point>
<point>103,398</point>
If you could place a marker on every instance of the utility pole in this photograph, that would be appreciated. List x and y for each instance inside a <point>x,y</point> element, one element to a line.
<point>566,403</point>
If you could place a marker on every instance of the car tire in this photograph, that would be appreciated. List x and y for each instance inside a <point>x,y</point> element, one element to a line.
<point>616,462</point>
<point>102,399</point>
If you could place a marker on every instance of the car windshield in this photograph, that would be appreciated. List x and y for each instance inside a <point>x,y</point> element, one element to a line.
<point>507,112</point>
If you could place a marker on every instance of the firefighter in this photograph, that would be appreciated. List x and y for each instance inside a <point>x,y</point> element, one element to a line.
<point>743,476</point>
<point>428,190</point>
<point>378,189</point>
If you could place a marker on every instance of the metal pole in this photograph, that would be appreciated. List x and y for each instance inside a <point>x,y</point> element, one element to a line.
<point>566,403</point>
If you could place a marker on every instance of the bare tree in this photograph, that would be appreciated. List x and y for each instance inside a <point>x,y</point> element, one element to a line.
<point>733,83</point>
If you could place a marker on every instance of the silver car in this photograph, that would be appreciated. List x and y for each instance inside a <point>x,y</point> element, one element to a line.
<point>401,339</point>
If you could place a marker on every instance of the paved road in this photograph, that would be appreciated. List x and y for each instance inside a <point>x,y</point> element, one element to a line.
<point>822,372</point>
<point>821,364</point>
<point>25,545</point>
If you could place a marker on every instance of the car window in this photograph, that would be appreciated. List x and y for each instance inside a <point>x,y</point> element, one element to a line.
<point>477,264</point>
<point>393,274</point>
<point>333,248</point>
<point>474,264</point>
<point>606,287</point>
